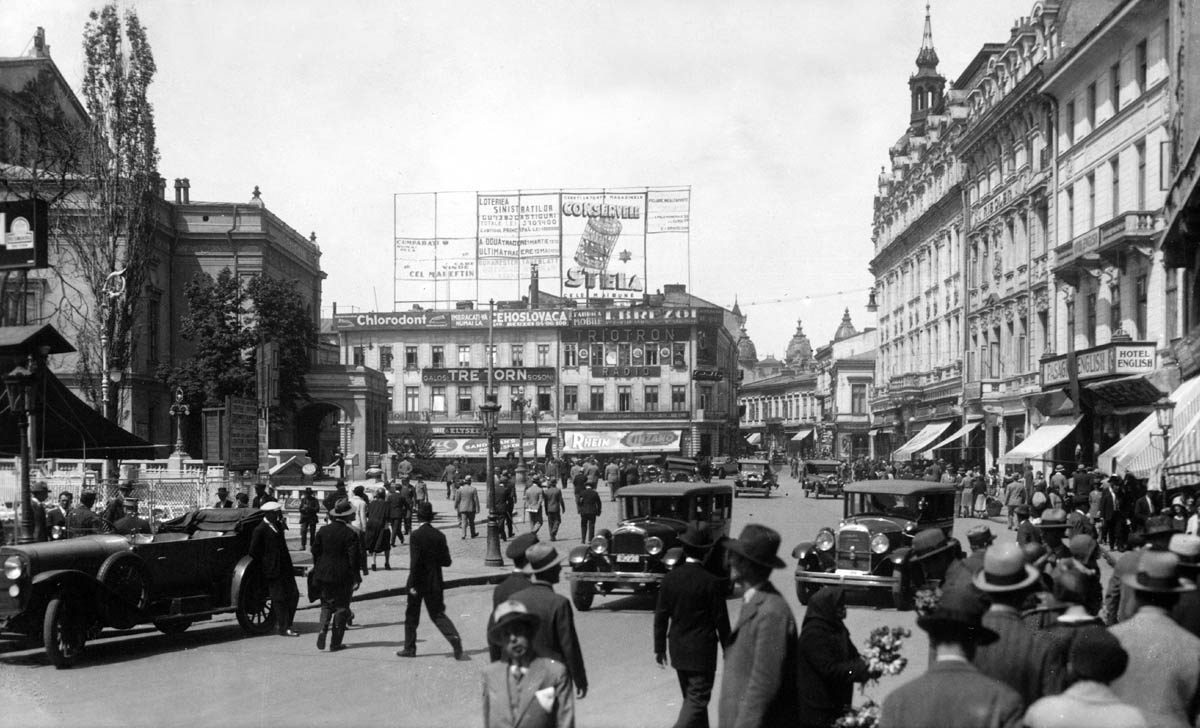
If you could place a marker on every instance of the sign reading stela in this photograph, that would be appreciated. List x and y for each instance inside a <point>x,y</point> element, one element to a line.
<point>479,375</point>
<point>1108,360</point>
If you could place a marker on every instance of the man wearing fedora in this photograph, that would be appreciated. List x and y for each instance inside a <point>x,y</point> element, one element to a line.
<point>131,522</point>
<point>1163,678</point>
<point>223,499</point>
<point>1094,660</point>
<point>310,508</point>
<point>962,571</point>
<point>1118,598</point>
<point>1018,658</point>
<point>759,683</point>
<point>691,618</point>
<point>556,637</point>
<point>1187,612</point>
<point>523,689</point>
<point>268,547</point>
<point>336,554</point>
<point>953,693</point>
<point>515,581</point>
<point>428,555</point>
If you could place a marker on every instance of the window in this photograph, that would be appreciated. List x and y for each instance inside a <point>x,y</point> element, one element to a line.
<point>1091,106</point>
<point>517,354</point>
<point>596,355</point>
<point>437,399</point>
<point>1114,170</point>
<point>624,398</point>
<point>412,401</point>
<point>858,399</point>
<point>1091,201</point>
<point>439,357</point>
<point>410,357</point>
<point>651,398</point>
<point>1069,122</point>
<point>1114,91</point>
<point>570,398</point>
<point>543,355</point>
<point>464,356</point>
<point>679,354</point>
<point>153,315</point>
<point>678,398</point>
<point>359,356</point>
<point>569,355</point>
<point>596,403</point>
<point>1070,213</point>
<point>651,355</point>
<point>1114,308</point>
<point>1139,67</point>
<point>543,398</point>
<point>1071,323</point>
<point>623,354</point>
<point>385,358</point>
<point>1140,150</point>
<point>1140,293</point>
<point>465,402</point>
<point>706,398</point>
<point>1090,315</point>
<point>489,354</point>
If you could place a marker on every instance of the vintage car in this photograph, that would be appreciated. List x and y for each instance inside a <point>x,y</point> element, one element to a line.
<point>680,470</point>
<point>822,477</point>
<point>754,476</point>
<point>645,546</point>
<point>194,567</point>
<point>870,548</point>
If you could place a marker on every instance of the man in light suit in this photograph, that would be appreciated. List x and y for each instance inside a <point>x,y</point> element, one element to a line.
<point>523,689</point>
<point>692,617</point>
<point>552,501</point>
<point>466,504</point>
<point>953,693</point>
<point>759,684</point>
<point>1163,677</point>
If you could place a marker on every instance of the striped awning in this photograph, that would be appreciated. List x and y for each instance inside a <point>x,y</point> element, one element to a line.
<point>1042,440</point>
<point>960,432</point>
<point>1182,465</point>
<point>921,440</point>
<point>802,434</point>
<point>1138,452</point>
<point>754,438</point>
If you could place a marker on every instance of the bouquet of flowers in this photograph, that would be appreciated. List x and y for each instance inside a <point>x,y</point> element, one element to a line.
<point>882,653</point>
<point>926,598</point>
<point>864,716</point>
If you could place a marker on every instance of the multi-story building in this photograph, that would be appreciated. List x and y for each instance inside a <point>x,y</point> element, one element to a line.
<point>845,377</point>
<point>778,401</point>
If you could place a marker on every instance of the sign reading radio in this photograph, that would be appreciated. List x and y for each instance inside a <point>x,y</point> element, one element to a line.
<point>1109,360</point>
<point>472,375</point>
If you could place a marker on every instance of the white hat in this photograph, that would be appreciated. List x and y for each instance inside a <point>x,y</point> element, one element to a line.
<point>270,506</point>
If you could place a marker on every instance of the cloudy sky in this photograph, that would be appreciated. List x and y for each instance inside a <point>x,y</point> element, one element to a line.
<point>777,114</point>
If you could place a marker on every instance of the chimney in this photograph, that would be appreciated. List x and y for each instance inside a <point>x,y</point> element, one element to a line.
<point>187,187</point>
<point>178,191</point>
<point>40,49</point>
<point>533,286</point>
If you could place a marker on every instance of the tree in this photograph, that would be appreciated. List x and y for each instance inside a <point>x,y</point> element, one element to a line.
<point>415,440</point>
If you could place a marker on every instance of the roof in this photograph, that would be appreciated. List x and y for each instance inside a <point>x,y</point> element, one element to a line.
<point>898,487</point>
<point>673,489</point>
<point>753,461</point>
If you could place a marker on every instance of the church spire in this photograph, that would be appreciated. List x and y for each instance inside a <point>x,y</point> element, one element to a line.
<point>927,56</point>
<point>926,86</point>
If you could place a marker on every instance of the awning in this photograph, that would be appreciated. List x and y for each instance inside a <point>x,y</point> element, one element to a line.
<point>802,435</point>
<point>1137,452</point>
<point>960,432</point>
<point>1130,391</point>
<point>476,447</point>
<point>921,440</point>
<point>1042,440</point>
<point>622,441</point>
<point>754,438</point>
<point>67,427</point>
<point>1182,466</point>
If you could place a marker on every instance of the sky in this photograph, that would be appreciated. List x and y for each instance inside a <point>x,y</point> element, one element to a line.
<point>777,114</point>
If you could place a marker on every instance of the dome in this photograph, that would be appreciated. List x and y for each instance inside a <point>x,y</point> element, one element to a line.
<point>746,350</point>
<point>846,329</point>
<point>799,350</point>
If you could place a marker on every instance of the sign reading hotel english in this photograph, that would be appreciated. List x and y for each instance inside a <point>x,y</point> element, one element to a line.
<point>1109,360</point>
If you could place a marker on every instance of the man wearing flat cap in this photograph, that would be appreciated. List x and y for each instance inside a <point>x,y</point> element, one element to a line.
<point>758,687</point>
<point>523,689</point>
<point>515,581</point>
<point>1163,677</point>
<point>556,636</point>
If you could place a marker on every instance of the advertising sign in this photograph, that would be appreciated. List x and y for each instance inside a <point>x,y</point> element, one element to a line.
<point>604,244</point>
<point>622,441</point>
<point>517,229</point>
<point>429,259</point>
<point>474,375</point>
<point>476,447</point>
<point>24,234</point>
<point>1108,360</point>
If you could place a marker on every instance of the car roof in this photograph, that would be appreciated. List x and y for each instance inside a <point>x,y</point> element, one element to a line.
<point>673,489</point>
<point>898,487</point>
<point>753,461</point>
<point>823,462</point>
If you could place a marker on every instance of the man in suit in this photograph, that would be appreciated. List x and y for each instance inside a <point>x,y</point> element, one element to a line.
<point>1163,677</point>
<point>83,521</point>
<point>759,684</point>
<point>1026,531</point>
<point>395,510</point>
<point>1078,522</point>
<point>56,517</point>
<point>1108,514</point>
<point>505,501</point>
<point>589,508</point>
<point>953,693</point>
<point>1119,604</point>
<point>556,637</point>
<point>466,504</point>
<point>552,501</point>
<point>515,581</point>
<point>534,493</point>
<point>310,510</point>
<point>428,555</point>
<point>223,499</point>
<point>523,689</point>
<point>131,522</point>
<point>691,615</point>
<point>268,548</point>
<point>336,560</point>
<point>1143,510</point>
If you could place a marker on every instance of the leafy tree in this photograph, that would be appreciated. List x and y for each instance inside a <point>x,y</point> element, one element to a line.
<point>414,440</point>
<point>282,316</point>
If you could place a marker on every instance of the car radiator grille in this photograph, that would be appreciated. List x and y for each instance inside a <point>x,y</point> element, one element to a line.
<point>854,550</point>
<point>625,544</point>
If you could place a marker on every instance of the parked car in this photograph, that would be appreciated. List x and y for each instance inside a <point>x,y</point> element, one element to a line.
<point>755,476</point>
<point>727,468</point>
<point>681,470</point>
<point>645,546</point>
<point>194,567</point>
<point>822,477</point>
<point>871,547</point>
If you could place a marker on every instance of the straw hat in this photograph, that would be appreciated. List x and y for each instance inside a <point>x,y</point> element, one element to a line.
<point>1005,570</point>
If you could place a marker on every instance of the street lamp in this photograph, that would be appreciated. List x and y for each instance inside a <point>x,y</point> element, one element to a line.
<point>16,386</point>
<point>489,415</point>
<point>1164,413</point>
<point>179,410</point>
<point>519,403</point>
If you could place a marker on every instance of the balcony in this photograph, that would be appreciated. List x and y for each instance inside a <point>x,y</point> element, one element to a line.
<point>1133,231</point>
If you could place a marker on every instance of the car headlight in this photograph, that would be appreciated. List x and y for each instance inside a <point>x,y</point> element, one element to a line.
<point>598,545</point>
<point>654,545</point>
<point>13,568</point>
<point>824,540</point>
<point>880,544</point>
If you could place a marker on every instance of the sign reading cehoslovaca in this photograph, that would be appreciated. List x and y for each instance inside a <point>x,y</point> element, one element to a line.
<point>474,375</point>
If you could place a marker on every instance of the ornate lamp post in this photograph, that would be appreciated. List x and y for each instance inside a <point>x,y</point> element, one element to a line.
<point>489,414</point>
<point>1164,414</point>
<point>179,410</point>
<point>16,386</point>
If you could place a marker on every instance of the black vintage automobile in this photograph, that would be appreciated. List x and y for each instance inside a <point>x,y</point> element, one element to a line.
<point>870,548</point>
<point>194,567</point>
<point>645,546</point>
<point>754,477</point>
<point>822,477</point>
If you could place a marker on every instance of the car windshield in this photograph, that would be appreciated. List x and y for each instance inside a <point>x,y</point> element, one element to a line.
<point>901,506</point>
<point>748,468</point>
<point>658,506</point>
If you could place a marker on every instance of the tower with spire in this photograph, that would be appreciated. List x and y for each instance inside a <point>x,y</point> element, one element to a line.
<point>799,354</point>
<point>926,86</point>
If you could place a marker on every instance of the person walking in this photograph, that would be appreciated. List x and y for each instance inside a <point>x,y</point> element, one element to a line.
<point>336,554</point>
<point>589,509</point>
<point>466,505</point>
<point>758,687</point>
<point>828,664</point>
<point>379,533</point>
<point>552,501</point>
<point>556,637</point>
<point>310,509</point>
<point>522,689</point>
<point>691,618</point>
<point>514,582</point>
<point>268,548</point>
<point>1014,497</point>
<point>533,505</point>
<point>449,474</point>
<point>505,501</point>
<point>395,513</point>
<point>428,555</point>
<point>612,476</point>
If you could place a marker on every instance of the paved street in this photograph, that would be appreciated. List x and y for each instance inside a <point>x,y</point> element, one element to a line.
<point>212,675</point>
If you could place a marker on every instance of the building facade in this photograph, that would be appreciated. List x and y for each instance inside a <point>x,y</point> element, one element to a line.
<point>845,378</point>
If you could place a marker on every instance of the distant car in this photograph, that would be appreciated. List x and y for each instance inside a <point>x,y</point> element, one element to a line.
<point>194,567</point>
<point>681,470</point>
<point>754,477</point>
<point>870,548</point>
<point>645,546</point>
<point>822,477</point>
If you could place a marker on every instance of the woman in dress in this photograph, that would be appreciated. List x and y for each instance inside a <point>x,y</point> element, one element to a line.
<point>379,533</point>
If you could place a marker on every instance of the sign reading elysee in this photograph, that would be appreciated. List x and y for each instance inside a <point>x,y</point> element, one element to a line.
<point>474,375</point>
<point>1103,361</point>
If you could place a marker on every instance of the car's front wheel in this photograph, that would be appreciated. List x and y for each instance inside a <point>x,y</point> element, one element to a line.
<point>583,593</point>
<point>64,632</point>
<point>255,611</point>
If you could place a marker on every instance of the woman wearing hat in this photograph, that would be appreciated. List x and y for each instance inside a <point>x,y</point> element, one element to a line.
<point>523,689</point>
<point>379,534</point>
<point>336,553</point>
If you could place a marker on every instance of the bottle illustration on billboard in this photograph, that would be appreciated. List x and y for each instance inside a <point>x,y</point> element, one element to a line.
<point>597,243</point>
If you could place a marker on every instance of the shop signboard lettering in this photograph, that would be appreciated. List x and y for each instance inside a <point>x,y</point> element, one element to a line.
<point>1110,360</point>
<point>626,372</point>
<point>479,375</point>
<point>476,447</point>
<point>617,441</point>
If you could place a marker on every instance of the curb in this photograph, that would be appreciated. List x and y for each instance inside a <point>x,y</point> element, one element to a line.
<point>397,591</point>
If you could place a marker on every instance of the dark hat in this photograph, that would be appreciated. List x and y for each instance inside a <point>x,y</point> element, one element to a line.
<point>759,544</point>
<point>541,557</point>
<point>1096,654</point>
<point>509,613</point>
<point>1053,518</point>
<point>980,537</point>
<point>960,610</point>
<point>342,509</point>
<point>1036,553</point>
<point>308,491</point>
<point>1158,572</point>
<point>696,538</point>
<point>359,490</point>
<point>425,511</point>
<point>125,487</point>
<point>1159,526</point>
<point>223,489</point>
<point>516,548</point>
<point>928,543</point>
<point>129,502</point>
<point>1005,570</point>
<point>39,487</point>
